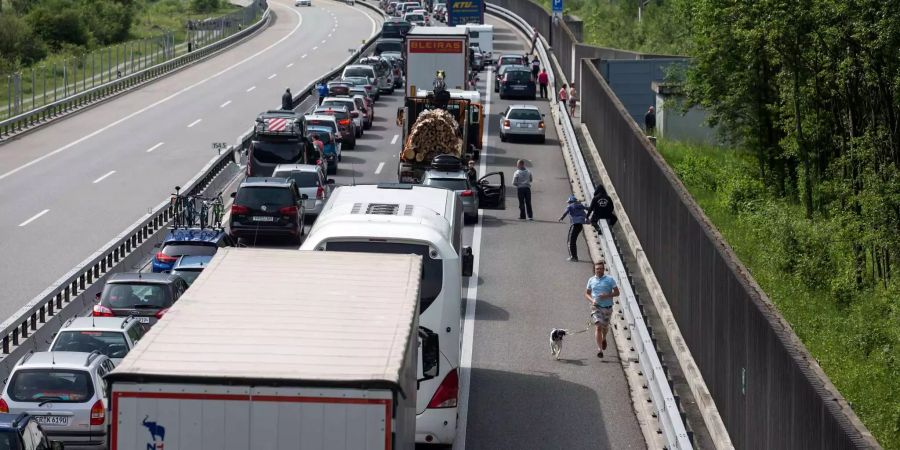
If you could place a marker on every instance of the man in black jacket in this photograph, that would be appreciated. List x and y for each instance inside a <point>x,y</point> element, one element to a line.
<point>601,208</point>
<point>287,100</point>
<point>650,121</point>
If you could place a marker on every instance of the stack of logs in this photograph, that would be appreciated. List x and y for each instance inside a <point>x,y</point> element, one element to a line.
<point>434,133</point>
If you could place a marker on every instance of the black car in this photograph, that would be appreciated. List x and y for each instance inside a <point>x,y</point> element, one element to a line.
<point>278,139</point>
<point>22,431</point>
<point>395,29</point>
<point>345,124</point>
<point>267,207</point>
<point>517,83</point>
<point>146,296</point>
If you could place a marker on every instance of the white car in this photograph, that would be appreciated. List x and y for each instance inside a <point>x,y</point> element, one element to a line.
<point>111,336</point>
<point>310,180</point>
<point>303,3</point>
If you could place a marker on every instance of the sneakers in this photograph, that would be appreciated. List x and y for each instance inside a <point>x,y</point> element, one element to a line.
<point>572,259</point>
<point>599,354</point>
<point>531,219</point>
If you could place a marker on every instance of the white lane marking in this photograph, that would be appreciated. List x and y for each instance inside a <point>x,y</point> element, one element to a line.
<point>304,56</point>
<point>251,88</point>
<point>191,125</point>
<point>104,176</point>
<point>157,103</point>
<point>329,35</point>
<point>394,140</point>
<point>290,65</point>
<point>34,217</point>
<point>378,169</point>
<point>155,147</point>
<point>225,104</point>
<point>315,48</point>
<point>323,41</point>
<point>273,76</point>
<point>468,330</point>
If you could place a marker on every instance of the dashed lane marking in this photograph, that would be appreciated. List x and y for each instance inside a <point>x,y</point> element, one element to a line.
<point>104,176</point>
<point>378,169</point>
<point>34,217</point>
<point>157,145</point>
<point>191,125</point>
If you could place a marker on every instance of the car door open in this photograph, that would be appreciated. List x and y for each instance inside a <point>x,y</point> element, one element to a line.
<point>492,191</point>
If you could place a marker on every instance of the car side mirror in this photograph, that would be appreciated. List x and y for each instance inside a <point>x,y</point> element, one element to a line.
<point>329,181</point>
<point>304,197</point>
<point>233,194</point>
<point>97,297</point>
<point>468,262</point>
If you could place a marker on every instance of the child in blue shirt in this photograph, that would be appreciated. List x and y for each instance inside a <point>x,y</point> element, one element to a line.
<point>577,217</point>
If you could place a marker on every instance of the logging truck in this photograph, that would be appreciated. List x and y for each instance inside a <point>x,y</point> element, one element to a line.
<point>429,131</point>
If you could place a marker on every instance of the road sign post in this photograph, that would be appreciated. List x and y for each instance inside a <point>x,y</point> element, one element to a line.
<point>557,11</point>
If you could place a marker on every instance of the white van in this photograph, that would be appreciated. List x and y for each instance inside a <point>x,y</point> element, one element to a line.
<point>420,220</point>
<point>483,35</point>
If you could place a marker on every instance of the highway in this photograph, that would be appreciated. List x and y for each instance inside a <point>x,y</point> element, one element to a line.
<point>68,188</point>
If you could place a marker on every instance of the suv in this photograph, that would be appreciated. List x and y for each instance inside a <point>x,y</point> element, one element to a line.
<point>23,432</point>
<point>517,82</point>
<point>278,139</point>
<point>146,296</point>
<point>387,44</point>
<point>356,114</point>
<point>366,70</point>
<point>267,207</point>
<point>383,69</point>
<point>187,241</point>
<point>65,393</point>
<point>310,181</point>
<point>346,125</point>
<point>111,336</point>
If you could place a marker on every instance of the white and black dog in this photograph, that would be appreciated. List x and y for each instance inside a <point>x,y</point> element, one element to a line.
<point>556,340</point>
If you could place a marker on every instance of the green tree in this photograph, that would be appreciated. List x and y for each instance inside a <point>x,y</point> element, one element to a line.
<point>205,6</point>
<point>59,22</point>
<point>18,43</point>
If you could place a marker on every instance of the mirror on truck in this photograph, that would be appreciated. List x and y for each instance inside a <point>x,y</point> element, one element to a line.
<point>468,262</point>
<point>429,356</point>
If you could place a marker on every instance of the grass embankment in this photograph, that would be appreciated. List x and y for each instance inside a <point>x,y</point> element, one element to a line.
<point>853,333</point>
<point>154,17</point>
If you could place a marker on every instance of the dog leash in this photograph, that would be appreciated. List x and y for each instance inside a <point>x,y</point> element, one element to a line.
<point>588,327</point>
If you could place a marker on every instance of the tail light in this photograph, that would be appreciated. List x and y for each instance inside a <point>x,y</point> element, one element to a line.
<point>345,122</point>
<point>4,408</point>
<point>237,210</point>
<point>354,114</point>
<point>98,413</point>
<point>506,123</point>
<point>164,258</point>
<point>368,87</point>
<point>541,124</point>
<point>446,394</point>
<point>159,314</point>
<point>288,211</point>
<point>320,193</point>
<point>101,311</point>
<point>466,193</point>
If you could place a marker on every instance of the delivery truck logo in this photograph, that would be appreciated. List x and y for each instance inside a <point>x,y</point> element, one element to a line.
<point>436,46</point>
<point>156,431</point>
<point>458,6</point>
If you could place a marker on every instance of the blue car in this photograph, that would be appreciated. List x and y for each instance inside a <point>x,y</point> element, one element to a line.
<point>331,147</point>
<point>187,242</point>
<point>189,267</point>
<point>15,427</point>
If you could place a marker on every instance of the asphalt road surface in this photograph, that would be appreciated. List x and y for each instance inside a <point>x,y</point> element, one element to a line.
<point>70,187</point>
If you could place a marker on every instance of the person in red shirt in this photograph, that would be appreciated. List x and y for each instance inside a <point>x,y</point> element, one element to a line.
<point>543,81</point>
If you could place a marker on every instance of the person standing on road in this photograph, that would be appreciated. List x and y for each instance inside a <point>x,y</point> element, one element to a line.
<point>287,100</point>
<point>535,68</point>
<point>573,100</point>
<point>600,291</point>
<point>522,181</point>
<point>472,174</point>
<point>578,217</point>
<point>534,37</point>
<point>564,94</point>
<point>601,207</point>
<point>543,81</point>
<point>650,121</point>
<point>322,89</point>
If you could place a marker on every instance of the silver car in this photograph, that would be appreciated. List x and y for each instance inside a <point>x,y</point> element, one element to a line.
<point>112,336</point>
<point>65,393</point>
<point>310,180</point>
<point>459,182</point>
<point>522,121</point>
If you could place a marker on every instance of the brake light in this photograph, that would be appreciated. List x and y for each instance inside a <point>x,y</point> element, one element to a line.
<point>101,311</point>
<point>466,193</point>
<point>4,408</point>
<point>320,193</point>
<point>446,394</point>
<point>159,314</point>
<point>98,413</point>
<point>164,258</point>
<point>345,122</point>
<point>237,210</point>
<point>541,124</point>
<point>506,123</point>
<point>288,211</point>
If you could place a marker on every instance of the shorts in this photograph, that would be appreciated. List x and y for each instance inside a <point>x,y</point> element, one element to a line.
<point>572,102</point>
<point>601,316</point>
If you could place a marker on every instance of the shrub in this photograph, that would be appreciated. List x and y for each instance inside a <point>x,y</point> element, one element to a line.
<point>739,191</point>
<point>204,6</point>
<point>698,171</point>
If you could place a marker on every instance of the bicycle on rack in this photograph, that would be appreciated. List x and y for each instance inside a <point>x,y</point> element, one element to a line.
<point>211,210</point>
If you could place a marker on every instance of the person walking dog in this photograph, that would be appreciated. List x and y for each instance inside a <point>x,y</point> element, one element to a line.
<point>577,217</point>
<point>600,291</point>
<point>522,181</point>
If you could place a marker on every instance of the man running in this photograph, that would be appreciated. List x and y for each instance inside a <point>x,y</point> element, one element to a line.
<point>600,291</point>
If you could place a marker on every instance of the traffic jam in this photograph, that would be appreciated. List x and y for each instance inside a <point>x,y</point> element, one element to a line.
<point>139,369</point>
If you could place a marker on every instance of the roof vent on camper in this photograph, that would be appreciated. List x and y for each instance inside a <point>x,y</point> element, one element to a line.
<point>387,209</point>
<point>408,210</point>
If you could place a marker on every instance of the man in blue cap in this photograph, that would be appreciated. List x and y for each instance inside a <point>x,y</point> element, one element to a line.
<point>578,217</point>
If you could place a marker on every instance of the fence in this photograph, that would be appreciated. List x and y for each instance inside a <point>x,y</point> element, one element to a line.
<point>53,88</point>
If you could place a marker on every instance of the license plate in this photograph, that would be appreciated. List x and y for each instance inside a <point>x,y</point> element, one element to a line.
<point>60,421</point>
<point>518,88</point>
<point>143,319</point>
<point>524,125</point>
<point>263,219</point>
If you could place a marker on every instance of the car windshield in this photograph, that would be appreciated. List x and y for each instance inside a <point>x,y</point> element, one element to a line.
<point>432,269</point>
<point>518,75</point>
<point>357,81</point>
<point>188,275</point>
<point>302,179</point>
<point>198,249</point>
<point>389,46</point>
<point>58,386</point>
<point>512,61</point>
<point>255,197</point>
<point>110,343</point>
<point>456,184</point>
<point>359,72</point>
<point>415,18</point>
<point>321,123</point>
<point>334,103</point>
<point>135,295</point>
<point>276,152</point>
<point>323,134</point>
<point>524,114</point>
<point>9,440</point>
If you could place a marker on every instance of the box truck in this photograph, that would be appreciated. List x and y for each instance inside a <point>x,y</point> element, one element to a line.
<point>430,49</point>
<point>280,349</point>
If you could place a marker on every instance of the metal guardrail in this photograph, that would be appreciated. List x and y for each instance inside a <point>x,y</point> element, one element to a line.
<point>664,404</point>
<point>42,114</point>
<point>32,327</point>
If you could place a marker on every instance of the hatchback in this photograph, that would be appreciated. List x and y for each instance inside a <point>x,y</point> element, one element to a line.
<point>311,181</point>
<point>187,241</point>
<point>146,296</point>
<point>189,267</point>
<point>510,60</point>
<point>357,91</point>
<point>517,83</point>
<point>345,122</point>
<point>363,105</point>
<point>498,75</point>
<point>364,70</point>
<point>111,336</point>
<point>331,149</point>
<point>522,121</point>
<point>23,432</point>
<point>363,82</point>
<point>382,70</point>
<point>65,393</point>
<point>267,207</point>
<point>355,114</point>
<point>456,181</point>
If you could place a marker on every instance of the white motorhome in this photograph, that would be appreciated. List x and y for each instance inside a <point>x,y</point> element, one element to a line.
<point>430,49</point>
<point>419,220</point>
<point>483,35</point>
<point>280,349</point>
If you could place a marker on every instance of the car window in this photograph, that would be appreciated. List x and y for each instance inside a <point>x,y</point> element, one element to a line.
<point>359,72</point>
<point>323,123</point>
<point>360,104</point>
<point>524,114</point>
<point>302,179</point>
<point>456,184</point>
<point>109,343</point>
<point>128,295</point>
<point>257,196</point>
<point>135,334</point>
<point>188,275</point>
<point>198,249</point>
<point>60,386</point>
<point>518,75</point>
<point>511,61</point>
<point>389,46</point>
<point>323,134</point>
<point>276,152</point>
<point>332,103</point>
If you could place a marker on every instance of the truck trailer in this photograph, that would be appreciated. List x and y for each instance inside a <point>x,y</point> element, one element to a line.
<point>430,49</point>
<point>280,349</point>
